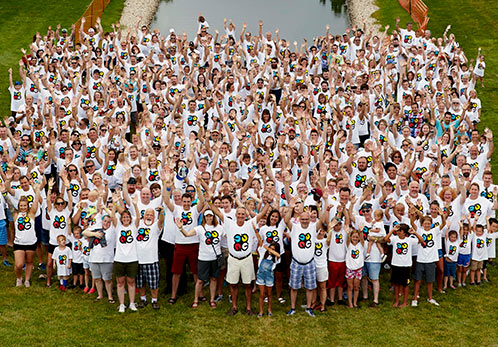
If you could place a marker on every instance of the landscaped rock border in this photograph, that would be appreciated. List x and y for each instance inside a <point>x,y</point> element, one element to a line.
<point>360,10</point>
<point>133,9</point>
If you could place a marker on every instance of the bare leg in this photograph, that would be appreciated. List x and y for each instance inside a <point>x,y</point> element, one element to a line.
<point>248,290</point>
<point>279,281</point>
<point>396,295</point>
<point>176,282</point>
<point>234,291</point>
<point>350,292</point>
<point>356,284</point>
<point>19,259</point>
<point>121,289</point>
<point>131,288</point>
<point>50,269</point>
<point>100,287</point>
<point>261,298</point>
<point>108,288</point>
<point>269,294</point>
<point>293,295</point>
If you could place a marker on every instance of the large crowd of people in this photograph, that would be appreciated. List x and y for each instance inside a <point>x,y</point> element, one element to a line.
<point>254,160</point>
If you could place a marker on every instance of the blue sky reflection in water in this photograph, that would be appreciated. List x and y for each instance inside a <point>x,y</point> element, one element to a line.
<point>295,19</point>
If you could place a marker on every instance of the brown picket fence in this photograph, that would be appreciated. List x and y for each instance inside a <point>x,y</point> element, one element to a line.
<point>418,10</point>
<point>94,11</point>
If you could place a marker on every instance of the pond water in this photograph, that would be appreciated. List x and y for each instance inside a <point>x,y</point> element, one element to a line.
<point>295,19</point>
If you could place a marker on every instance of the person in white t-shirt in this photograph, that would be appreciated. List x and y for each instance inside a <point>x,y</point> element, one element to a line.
<point>355,260</point>
<point>479,253</point>
<point>63,257</point>
<point>401,261</point>
<point>450,258</point>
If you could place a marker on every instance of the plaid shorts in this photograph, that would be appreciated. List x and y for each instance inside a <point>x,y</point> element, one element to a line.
<point>354,274</point>
<point>298,271</point>
<point>148,273</point>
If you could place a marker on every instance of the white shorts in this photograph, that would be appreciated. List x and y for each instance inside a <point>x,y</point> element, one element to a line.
<point>238,269</point>
<point>322,274</point>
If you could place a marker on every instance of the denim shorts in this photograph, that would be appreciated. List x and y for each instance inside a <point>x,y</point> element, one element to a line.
<point>463,260</point>
<point>449,268</point>
<point>372,270</point>
<point>3,232</point>
<point>265,275</point>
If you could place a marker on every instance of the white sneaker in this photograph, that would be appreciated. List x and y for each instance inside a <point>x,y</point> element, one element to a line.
<point>384,257</point>
<point>414,303</point>
<point>27,284</point>
<point>122,308</point>
<point>19,282</point>
<point>367,256</point>
<point>432,301</point>
<point>132,306</point>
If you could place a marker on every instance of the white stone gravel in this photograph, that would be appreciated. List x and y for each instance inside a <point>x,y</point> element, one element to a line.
<point>360,10</point>
<point>133,9</point>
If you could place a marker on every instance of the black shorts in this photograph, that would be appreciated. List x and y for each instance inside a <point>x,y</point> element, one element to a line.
<point>125,269</point>
<point>24,247</point>
<point>207,270</point>
<point>166,249</point>
<point>281,266</point>
<point>77,269</point>
<point>400,275</point>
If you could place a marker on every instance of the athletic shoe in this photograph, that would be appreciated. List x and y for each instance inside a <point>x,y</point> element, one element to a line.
<point>133,307</point>
<point>266,299</point>
<point>155,305</point>
<point>291,312</point>
<point>19,282</point>
<point>27,284</point>
<point>218,298</point>
<point>142,303</point>
<point>310,313</point>
<point>6,263</point>
<point>414,303</point>
<point>384,257</point>
<point>122,308</point>
<point>432,301</point>
<point>230,299</point>
<point>42,266</point>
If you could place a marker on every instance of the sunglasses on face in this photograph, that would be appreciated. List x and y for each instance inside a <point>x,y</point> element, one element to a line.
<point>72,170</point>
<point>59,203</point>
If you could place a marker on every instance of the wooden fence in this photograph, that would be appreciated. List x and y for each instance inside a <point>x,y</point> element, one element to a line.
<point>91,14</point>
<point>418,10</point>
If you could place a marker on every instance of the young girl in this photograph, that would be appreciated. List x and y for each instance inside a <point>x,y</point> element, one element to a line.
<point>372,238</point>
<point>451,257</point>
<point>322,273</point>
<point>63,257</point>
<point>265,277</point>
<point>401,262</point>
<point>355,260</point>
<point>464,250</point>
<point>77,263</point>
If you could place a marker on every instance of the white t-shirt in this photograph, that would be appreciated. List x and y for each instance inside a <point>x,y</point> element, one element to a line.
<point>24,230</point>
<point>402,250</point>
<point>189,219</point>
<point>355,256</point>
<point>479,249</point>
<point>321,248</point>
<point>452,250</point>
<point>77,248</point>
<point>209,241</point>
<point>303,243</point>
<point>240,239</point>
<point>271,234</point>
<point>491,244</point>
<point>126,247</point>
<point>337,247</point>
<point>105,254</point>
<point>59,224</point>
<point>61,258</point>
<point>147,243</point>
<point>428,251</point>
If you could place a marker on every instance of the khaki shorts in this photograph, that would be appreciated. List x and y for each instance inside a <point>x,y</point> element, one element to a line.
<point>237,269</point>
<point>475,265</point>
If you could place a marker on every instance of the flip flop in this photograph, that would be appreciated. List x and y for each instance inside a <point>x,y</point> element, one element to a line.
<point>172,301</point>
<point>111,301</point>
<point>212,304</point>
<point>195,305</point>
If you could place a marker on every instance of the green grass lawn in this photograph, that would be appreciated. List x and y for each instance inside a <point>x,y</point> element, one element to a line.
<point>20,20</point>
<point>474,24</point>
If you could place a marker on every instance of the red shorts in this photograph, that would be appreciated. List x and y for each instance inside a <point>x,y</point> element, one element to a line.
<point>182,253</point>
<point>337,275</point>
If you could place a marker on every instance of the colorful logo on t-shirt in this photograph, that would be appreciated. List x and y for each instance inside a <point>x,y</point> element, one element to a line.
<point>304,241</point>
<point>143,234</point>
<point>339,239</point>
<point>186,218</point>
<point>475,210</point>
<point>479,243</point>
<point>62,259</point>
<point>272,236</point>
<point>401,248</point>
<point>355,253</point>
<point>452,250</point>
<point>59,222</point>
<point>126,237</point>
<point>360,180</point>
<point>74,188</point>
<point>241,242</point>
<point>212,237</point>
<point>318,249</point>
<point>23,223</point>
<point>428,240</point>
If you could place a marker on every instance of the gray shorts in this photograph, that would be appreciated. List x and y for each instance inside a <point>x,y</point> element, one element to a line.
<point>429,269</point>
<point>101,270</point>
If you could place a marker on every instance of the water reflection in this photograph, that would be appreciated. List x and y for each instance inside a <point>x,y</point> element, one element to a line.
<point>295,19</point>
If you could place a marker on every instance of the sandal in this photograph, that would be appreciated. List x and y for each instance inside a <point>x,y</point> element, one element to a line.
<point>212,304</point>
<point>97,299</point>
<point>195,305</point>
<point>111,301</point>
<point>172,301</point>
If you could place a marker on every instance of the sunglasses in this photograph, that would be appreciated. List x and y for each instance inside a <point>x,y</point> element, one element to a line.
<point>88,166</point>
<point>72,170</point>
<point>190,191</point>
<point>59,203</point>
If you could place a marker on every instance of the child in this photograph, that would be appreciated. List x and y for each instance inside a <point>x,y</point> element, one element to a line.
<point>479,253</point>
<point>480,67</point>
<point>354,265</point>
<point>85,250</point>
<point>322,273</point>
<point>378,225</point>
<point>63,257</point>
<point>463,261</point>
<point>77,263</point>
<point>451,257</point>
<point>265,277</point>
<point>492,228</point>
<point>401,262</point>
